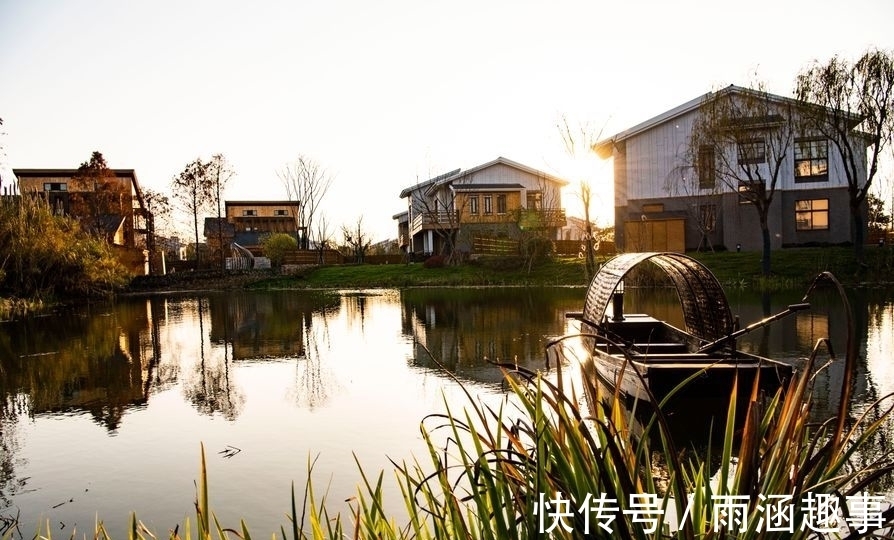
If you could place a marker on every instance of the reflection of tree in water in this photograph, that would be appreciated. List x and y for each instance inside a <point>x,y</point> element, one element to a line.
<point>9,454</point>
<point>209,388</point>
<point>313,380</point>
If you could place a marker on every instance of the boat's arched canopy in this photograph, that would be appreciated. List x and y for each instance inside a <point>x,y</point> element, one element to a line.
<point>706,311</point>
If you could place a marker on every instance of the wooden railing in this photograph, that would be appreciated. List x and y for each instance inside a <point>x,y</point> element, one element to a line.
<point>549,217</point>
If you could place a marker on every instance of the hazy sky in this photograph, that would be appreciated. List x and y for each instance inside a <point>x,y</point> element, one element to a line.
<point>383,93</point>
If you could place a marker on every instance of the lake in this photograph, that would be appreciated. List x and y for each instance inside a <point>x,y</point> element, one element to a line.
<point>104,408</point>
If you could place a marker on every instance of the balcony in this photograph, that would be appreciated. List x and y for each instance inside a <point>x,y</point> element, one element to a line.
<point>526,219</point>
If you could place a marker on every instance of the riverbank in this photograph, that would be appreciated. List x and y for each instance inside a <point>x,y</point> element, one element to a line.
<point>792,269</point>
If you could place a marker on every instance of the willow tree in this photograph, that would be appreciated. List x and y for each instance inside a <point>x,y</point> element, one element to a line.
<point>853,98</point>
<point>741,138</point>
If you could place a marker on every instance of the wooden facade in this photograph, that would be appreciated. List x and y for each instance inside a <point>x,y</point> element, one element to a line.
<point>500,198</point>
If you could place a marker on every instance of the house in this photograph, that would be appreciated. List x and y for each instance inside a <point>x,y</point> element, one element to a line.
<point>673,195</point>
<point>487,208</point>
<point>111,206</point>
<point>252,220</point>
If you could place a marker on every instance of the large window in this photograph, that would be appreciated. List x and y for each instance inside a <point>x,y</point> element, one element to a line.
<point>752,152</point>
<point>488,205</point>
<point>501,204</point>
<point>473,205</point>
<point>706,178</point>
<point>811,160</point>
<point>535,200</point>
<point>812,215</point>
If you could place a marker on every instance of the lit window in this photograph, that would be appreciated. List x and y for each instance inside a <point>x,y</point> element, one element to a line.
<point>812,215</point>
<point>752,152</point>
<point>811,160</point>
<point>501,204</point>
<point>488,205</point>
<point>473,204</point>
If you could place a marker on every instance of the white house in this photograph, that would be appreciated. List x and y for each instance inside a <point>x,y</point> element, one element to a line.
<point>480,209</point>
<point>671,196</point>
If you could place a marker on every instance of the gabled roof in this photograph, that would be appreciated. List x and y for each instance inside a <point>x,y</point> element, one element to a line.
<point>458,174</point>
<point>604,147</point>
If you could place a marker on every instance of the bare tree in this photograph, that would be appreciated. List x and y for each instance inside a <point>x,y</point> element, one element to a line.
<point>322,237</point>
<point>702,200</point>
<point>192,190</point>
<point>441,208</point>
<point>851,96</point>
<point>741,137</point>
<point>219,174</point>
<point>306,183</point>
<point>578,144</point>
<point>356,239</point>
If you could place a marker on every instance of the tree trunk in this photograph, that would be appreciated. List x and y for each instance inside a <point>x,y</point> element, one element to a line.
<point>859,240</point>
<point>765,257</point>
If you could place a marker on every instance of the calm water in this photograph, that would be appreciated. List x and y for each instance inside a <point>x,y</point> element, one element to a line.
<point>103,409</point>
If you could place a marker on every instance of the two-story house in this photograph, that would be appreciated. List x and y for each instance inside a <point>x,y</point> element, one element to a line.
<point>674,192</point>
<point>252,220</point>
<point>111,206</point>
<point>466,210</point>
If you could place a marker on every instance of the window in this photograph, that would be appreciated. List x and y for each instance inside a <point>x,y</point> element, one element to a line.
<point>249,212</point>
<point>752,152</point>
<point>653,208</point>
<point>812,215</point>
<point>501,204</point>
<point>706,179</point>
<point>280,212</point>
<point>55,186</point>
<point>488,205</point>
<point>535,200</point>
<point>473,204</point>
<point>746,193</point>
<point>811,160</point>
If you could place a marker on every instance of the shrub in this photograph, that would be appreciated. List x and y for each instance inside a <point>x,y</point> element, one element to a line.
<point>277,245</point>
<point>49,255</point>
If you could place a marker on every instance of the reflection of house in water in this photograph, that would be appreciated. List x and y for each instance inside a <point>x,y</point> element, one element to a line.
<point>97,362</point>
<point>464,331</point>
<point>265,324</point>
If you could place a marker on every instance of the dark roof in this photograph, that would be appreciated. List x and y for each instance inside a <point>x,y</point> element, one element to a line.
<point>212,224</point>
<point>109,223</point>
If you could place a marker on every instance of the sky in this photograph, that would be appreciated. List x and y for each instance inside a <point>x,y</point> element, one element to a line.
<point>384,94</point>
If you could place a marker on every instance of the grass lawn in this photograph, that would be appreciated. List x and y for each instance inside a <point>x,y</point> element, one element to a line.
<point>792,268</point>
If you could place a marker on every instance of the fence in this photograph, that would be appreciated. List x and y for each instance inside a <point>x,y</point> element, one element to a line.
<point>484,245</point>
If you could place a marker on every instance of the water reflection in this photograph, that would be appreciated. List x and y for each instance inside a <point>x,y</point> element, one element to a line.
<point>464,331</point>
<point>328,373</point>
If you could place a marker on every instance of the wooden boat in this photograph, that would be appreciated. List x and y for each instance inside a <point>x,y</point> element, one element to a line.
<point>646,359</point>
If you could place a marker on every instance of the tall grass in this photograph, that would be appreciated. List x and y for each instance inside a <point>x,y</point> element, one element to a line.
<point>43,255</point>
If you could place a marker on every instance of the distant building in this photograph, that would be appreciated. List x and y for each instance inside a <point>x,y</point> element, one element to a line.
<point>489,205</point>
<point>664,202</point>
<point>252,220</point>
<point>112,207</point>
